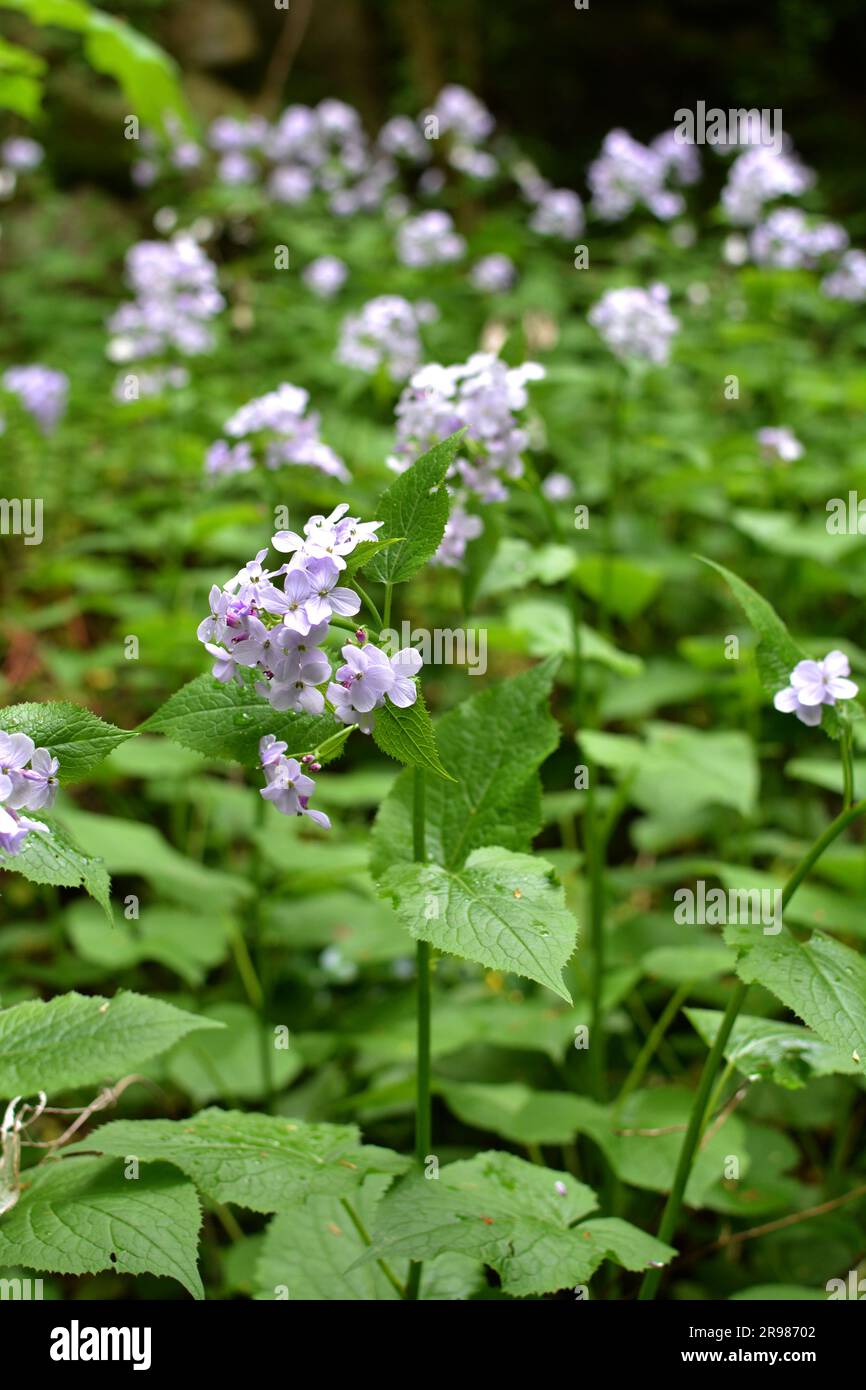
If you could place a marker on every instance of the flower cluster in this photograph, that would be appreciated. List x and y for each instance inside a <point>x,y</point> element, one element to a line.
<point>384,333</point>
<point>628,174</point>
<point>176,297</point>
<point>814,684</point>
<point>287,786</point>
<point>789,240</point>
<point>460,114</point>
<point>848,280</point>
<point>779,443</point>
<point>325,276</point>
<point>28,782</point>
<point>172,150</point>
<point>760,176</point>
<point>636,324</point>
<point>429,239</point>
<point>42,392</point>
<point>558,213</point>
<point>484,397</point>
<point>277,429</point>
<point>275,623</point>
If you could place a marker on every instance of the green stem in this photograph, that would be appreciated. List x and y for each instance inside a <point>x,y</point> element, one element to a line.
<point>258,953</point>
<point>847,770</point>
<point>365,1236</point>
<point>700,1108</point>
<point>386,617</point>
<point>647,1052</point>
<point>594,853</point>
<point>423,1110</point>
<point>376,615</point>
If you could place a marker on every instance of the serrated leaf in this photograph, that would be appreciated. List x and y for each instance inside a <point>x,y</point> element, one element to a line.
<point>361,556</point>
<point>503,910</point>
<point>54,857</point>
<point>498,799</point>
<point>407,736</point>
<point>73,735</point>
<point>514,1217</point>
<point>415,507</point>
<point>227,721</point>
<point>82,1216</point>
<point>769,1050</point>
<point>264,1162</point>
<point>820,980</point>
<point>84,1040</point>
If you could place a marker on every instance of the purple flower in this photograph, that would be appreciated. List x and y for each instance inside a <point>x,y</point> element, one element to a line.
<point>28,779</point>
<point>292,603</point>
<point>21,154</point>
<point>636,323</point>
<point>289,789</point>
<point>816,683</point>
<point>224,668</point>
<point>429,239</point>
<point>367,675</point>
<point>779,443</point>
<point>16,750</point>
<point>14,829</point>
<point>326,600</point>
<point>40,783</point>
<point>384,332</point>
<point>405,665</point>
<point>325,276</point>
<point>493,274</point>
<point>297,689</point>
<point>42,392</point>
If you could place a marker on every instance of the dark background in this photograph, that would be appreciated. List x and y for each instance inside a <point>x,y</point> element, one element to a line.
<point>557,77</point>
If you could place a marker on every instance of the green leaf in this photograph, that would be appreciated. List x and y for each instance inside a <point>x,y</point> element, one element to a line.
<point>132,848</point>
<point>189,945</point>
<point>149,78</point>
<point>407,735</point>
<point>772,1051</point>
<point>264,1162</point>
<point>82,1216</point>
<point>54,857</point>
<point>229,1065</point>
<point>21,86</point>
<point>625,587</point>
<point>84,1040</point>
<point>820,980</point>
<point>363,554</point>
<point>513,1111</point>
<point>73,735</point>
<point>227,721</point>
<point>503,910</point>
<point>308,1251</point>
<point>498,799</point>
<point>511,1215</point>
<point>415,507</point>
